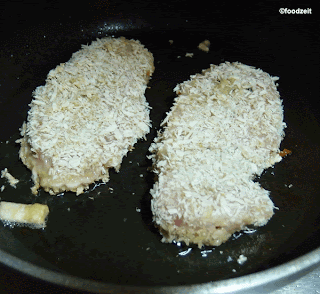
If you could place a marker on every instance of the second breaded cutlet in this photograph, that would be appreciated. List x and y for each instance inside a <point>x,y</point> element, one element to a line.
<point>224,128</point>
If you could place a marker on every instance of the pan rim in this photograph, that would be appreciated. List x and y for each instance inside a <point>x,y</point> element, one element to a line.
<point>298,267</point>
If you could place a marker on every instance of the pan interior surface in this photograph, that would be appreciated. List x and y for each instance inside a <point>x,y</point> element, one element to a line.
<point>107,234</point>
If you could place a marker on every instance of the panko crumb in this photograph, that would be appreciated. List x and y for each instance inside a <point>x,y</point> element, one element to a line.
<point>3,187</point>
<point>285,152</point>
<point>204,46</point>
<point>11,180</point>
<point>189,55</point>
<point>242,259</point>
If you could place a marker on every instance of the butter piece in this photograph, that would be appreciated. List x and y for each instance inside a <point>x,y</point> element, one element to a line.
<point>31,215</point>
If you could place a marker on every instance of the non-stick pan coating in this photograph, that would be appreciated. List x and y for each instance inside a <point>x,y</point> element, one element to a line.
<point>107,234</point>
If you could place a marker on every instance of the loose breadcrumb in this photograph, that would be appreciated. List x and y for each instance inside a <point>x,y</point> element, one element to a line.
<point>87,116</point>
<point>204,46</point>
<point>224,128</point>
<point>285,152</point>
<point>229,259</point>
<point>11,180</point>
<point>242,259</point>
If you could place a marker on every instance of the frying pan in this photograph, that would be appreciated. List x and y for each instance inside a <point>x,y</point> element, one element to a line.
<point>104,241</point>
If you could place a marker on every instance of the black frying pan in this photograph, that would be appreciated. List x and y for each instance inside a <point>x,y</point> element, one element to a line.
<point>104,240</point>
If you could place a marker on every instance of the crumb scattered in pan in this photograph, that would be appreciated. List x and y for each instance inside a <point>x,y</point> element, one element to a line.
<point>204,46</point>
<point>236,235</point>
<point>250,231</point>
<point>290,186</point>
<point>204,253</point>
<point>11,180</point>
<point>176,243</point>
<point>189,55</point>
<point>185,252</point>
<point>285,152</point>
<point>138,209</point>
<point>242,259</point>
<point>97,185</point>
<point>234,270</point>
<point>141,175</point>
<point>229,259</point>
<point>3,187</point>
<point>30,215</point>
